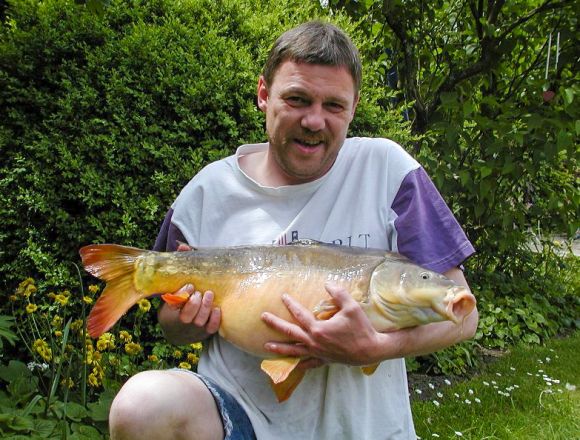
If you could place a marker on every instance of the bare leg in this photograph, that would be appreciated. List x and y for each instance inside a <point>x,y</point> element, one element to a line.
<point>160,405</point>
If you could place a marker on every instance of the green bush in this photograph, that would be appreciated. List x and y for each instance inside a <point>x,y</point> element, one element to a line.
<point>106,117</point>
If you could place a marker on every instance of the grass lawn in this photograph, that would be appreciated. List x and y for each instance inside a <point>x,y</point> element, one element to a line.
<point>530,393</point>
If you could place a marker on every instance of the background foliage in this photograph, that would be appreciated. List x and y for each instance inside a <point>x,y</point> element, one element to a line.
<point>110,107</point>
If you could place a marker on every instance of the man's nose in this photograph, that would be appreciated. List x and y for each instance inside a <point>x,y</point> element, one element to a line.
<point>313,118</point>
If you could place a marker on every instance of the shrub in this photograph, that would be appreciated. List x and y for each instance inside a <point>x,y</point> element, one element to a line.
<point>108,116</point>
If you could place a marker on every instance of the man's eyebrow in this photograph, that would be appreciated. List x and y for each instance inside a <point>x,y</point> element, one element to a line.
<point>297,90</point>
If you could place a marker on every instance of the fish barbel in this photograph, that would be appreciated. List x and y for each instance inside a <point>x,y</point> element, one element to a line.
<point>249,280</point>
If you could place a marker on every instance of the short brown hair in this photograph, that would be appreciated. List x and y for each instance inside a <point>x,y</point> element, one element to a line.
<point>315,42</point>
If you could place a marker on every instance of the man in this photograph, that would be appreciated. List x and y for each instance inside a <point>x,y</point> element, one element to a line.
<point>308,181</point>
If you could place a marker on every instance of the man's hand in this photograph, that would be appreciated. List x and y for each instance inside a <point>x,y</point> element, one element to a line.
<point>347,337</point>
<point>199,310</point>
<point>196,320</point>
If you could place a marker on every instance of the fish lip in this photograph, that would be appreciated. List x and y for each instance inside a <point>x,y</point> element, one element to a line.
<point>454,295</point>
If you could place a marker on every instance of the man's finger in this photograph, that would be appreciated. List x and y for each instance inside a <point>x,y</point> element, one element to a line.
<point>292,331</point>
<point>213,323</point>
<point>287,349</point>
<point>302,315</point>
<point>182,247</point>
<point>190,309</point>
<point>204,310</point>
<point>339,294</point>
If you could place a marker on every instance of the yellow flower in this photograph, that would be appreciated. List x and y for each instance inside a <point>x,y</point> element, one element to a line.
<point>67,382</point>
<point>153,358</point>
<point>106,341</point>
<point>185,365</point>
<point>132,348</point>
<point>196,346</point>
<point>97,356</point>
<point>26,288</point>
<point>125,336</point>
<point>177,354</point>
<point>76,325</point>
<point>41,347</point>
<point>87,299</point>
<point>93,288</point>
<point>61,299</point>
<point>144,305</point>
<point>192,358</point>
<point>31,308</point>
<point>56,322</point>
<point>51,295</point>
<point>13,298</point>
<point>93,380</point>
<point>57,333</point>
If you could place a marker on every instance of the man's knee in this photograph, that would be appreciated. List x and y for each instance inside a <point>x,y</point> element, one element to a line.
<point>164,404</point>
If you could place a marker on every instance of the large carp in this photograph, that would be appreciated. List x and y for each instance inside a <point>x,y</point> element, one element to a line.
<point>250,280</point>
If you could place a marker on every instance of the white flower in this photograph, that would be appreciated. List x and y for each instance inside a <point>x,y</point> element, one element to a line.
<point>440,395</point>
<point>468,402</point>
<point>447,381</point>
<point>436,403</point>
<point>418,391</point>
<point>471,391</point>
<point>570,387</point>
<point>477,400</point>
<point>431,386</point>
<point>435,435</point>
<point>458,434</point>
<point>486,383</point>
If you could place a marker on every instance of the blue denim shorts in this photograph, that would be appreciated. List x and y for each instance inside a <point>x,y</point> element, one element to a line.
<point>237,425</point>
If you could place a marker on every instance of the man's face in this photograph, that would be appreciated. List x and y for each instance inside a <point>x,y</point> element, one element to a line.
<point>308,110</point>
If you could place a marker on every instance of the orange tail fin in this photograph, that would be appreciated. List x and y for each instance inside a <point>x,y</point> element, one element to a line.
<point>114,264</point>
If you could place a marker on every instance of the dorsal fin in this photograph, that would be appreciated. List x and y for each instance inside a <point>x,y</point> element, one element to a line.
<point>305,242</point>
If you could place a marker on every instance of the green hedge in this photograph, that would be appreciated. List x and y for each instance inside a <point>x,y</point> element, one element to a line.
<point>107,116</point>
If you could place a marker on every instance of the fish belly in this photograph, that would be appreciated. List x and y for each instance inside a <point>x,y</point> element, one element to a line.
<point>243,306</point>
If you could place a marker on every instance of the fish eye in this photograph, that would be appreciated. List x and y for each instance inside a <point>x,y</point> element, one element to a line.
<point>425,275</point>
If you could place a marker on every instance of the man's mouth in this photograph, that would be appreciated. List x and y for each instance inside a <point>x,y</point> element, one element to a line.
<point>309,144</point>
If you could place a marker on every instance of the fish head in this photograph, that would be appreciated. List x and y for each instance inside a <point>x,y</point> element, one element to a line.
<point>407,295</point>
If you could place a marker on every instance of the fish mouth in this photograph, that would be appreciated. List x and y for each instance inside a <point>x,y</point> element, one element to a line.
<point>459,303</point>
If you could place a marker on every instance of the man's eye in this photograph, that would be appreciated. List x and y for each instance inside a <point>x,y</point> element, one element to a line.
<point>295,100</point>
<point>335,107</point>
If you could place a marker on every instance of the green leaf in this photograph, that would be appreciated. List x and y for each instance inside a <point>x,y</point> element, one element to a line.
<point>22,387</point>
<point>564,140</point>
<point>21,423</point>
<point>14,370</point>
<point>75,412</point>
<point>44,428</point>
<point>568,96</point>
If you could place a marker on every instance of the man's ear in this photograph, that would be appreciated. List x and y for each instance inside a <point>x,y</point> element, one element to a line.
<point>262,94</point>
<point>355,103</point>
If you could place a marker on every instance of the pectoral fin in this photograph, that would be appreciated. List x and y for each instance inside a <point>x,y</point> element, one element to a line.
<point>369,369</point>
<point>325,309</point>
<point>285,389</point>
<point>174,299</point>
<point>284,375</point>
<point>279,368</point>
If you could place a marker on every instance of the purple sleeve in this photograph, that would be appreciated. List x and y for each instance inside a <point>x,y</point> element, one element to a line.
<point>168,235</point>
<point>427,231</point>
